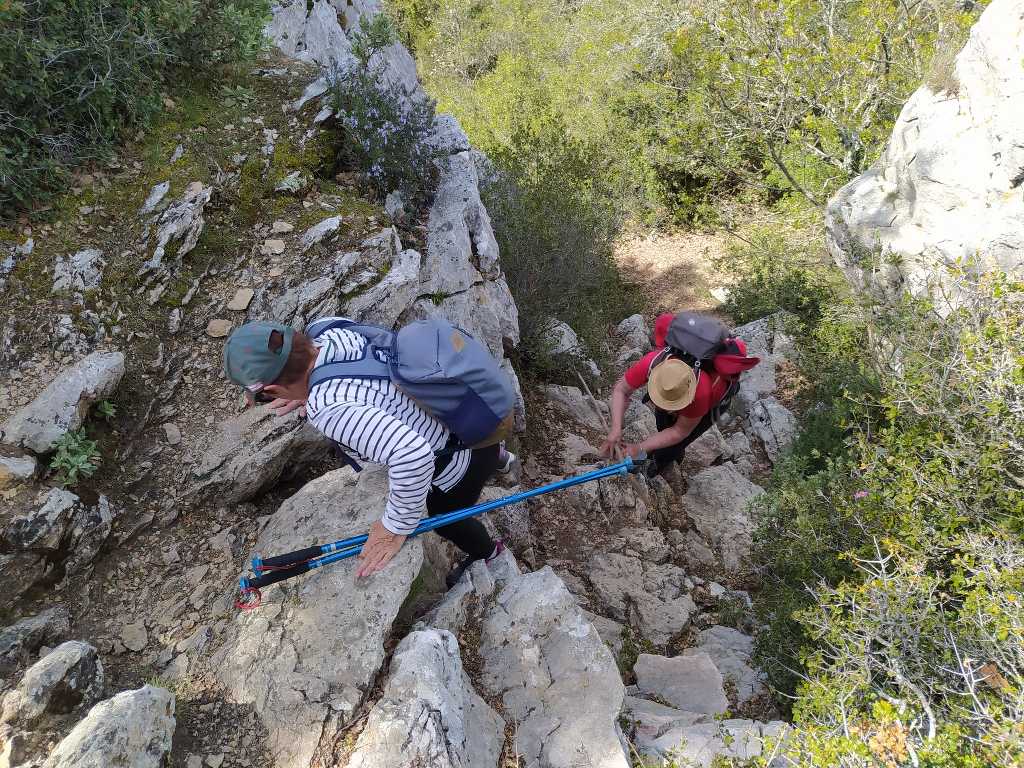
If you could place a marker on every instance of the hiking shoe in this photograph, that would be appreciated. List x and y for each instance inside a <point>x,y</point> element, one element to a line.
<point>456,573</point>
<point>511,463</point>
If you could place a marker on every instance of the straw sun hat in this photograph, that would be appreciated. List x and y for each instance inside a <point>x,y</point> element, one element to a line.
<point>672,385</point>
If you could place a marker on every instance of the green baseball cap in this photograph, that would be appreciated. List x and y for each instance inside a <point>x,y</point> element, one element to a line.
<point>248,359</point>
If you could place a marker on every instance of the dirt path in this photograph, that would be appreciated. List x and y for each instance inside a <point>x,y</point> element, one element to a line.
<point>677,270</point>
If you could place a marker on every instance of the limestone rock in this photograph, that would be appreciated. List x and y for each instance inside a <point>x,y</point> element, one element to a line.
<point>64,404</point>
<point>461,249</point>
<point>282,227</point>
<point>134,636</point>
<point>564,341</point>
<point>46,527</point>
<point>394,206</point>
<point>25,637</point>
<point>384,303</point>
<point>730,650</point>
<point>652,597</point>
<point>705,450</point>
<point>947,186</point>
<point>182,223</point>
<point>253,452</point>
<point>716,501</point>
<point>154,198</point>
<point>429,714</point>
<point>575,404</point>
<point>295,183</point>
<point>272,247</point>
<point>15,470</point>
<point>705,743</point>
<point>90,528</point>
<point>308,657</point>
<point>68,677</point>
<point>79,271</point>
<point>773,424</point>
<point>172,434</point>
<point>634,333</point>
<point>447,136</point>
<point>133,729</point>
<point>692,683</point>
<point>556,678</point>
<point>320,232</point>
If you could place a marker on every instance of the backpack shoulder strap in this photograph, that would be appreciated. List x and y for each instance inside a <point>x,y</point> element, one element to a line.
<point>371,365</point>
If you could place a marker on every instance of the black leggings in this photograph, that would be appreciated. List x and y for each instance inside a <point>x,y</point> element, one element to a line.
<point>663,457</point>
<point>469,535</point>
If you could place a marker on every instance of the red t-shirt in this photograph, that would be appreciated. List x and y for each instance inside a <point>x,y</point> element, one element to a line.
<point>711,387</point>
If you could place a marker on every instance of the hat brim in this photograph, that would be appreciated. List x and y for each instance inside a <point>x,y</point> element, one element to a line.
<point>660,397</point>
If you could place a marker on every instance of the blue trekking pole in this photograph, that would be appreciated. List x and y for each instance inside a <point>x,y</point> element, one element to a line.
<point>274,569</point>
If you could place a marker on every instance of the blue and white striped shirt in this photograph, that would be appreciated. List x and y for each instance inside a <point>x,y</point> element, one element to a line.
<point>377,421</point>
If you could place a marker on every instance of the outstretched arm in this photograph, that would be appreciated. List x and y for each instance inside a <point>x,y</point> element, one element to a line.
<point>617,404</point>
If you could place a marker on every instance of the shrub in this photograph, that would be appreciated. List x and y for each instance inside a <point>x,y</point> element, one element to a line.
<point>75,76</point>
<point>388,131</point>
<point>555,225</point>
<point>77,456</point>
<point>779,273</point>
<point>894,562</point>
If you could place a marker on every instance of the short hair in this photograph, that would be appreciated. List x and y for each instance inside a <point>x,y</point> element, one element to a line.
<point>302,354</point>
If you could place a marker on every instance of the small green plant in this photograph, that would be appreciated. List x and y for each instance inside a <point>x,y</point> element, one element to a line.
<point>107,410</point>
<point>237,96</point>
<point>77,456</point>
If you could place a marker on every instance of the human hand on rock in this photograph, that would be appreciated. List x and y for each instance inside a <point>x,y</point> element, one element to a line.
<point>281,407</point>
<point>612,444</point>
<point>381,545</point>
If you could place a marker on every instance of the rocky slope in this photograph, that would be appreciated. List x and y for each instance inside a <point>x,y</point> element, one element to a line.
<point>617,629</point>
<point>949,187</point>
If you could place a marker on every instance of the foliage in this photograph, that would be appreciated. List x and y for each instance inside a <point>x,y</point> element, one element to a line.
<point>893,561</point>
<point>388,131</point>
<point>107,410</point>
<point>555,227</point>
<point>77,456</point>
<point>813,86</point>
<point>75,76</point>
<point>779,273</point>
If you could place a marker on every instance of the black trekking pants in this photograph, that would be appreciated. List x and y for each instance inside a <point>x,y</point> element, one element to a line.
<point>469,535</point>
<point>663,457</point>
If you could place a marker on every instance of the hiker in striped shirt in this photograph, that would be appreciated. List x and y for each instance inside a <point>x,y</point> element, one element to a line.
<point>376,421</point>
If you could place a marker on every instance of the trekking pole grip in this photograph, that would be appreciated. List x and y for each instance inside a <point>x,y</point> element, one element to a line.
<point>289,558</point>
<point>272,577</point>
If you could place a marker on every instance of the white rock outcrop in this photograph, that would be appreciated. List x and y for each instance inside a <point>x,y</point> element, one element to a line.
<point>308,657</point>
<point>950,183</point>
<point>429,714</point>
<point>63,405</point>
<point>131,730</point>
<point>68,677</point>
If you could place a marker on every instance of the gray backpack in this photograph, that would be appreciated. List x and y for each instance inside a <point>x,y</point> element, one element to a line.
<point>444,369</point>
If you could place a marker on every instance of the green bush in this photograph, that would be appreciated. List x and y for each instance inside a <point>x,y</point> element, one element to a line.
<point>893,564</point>
<point>555,226</point>
<point>388,133</point>
<point>779,273</point>
<point>74,76</point>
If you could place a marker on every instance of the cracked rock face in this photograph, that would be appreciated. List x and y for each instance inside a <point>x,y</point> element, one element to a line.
<point>181,223</point>
<point>716,501</point>
<point>79,271</point>
<point>556,678</point>
<point>429,714</point>
<point>68,677</point>
<point>461,249</point>
<point>63,406</point>
<point>25,637</point>
<point>730,651</point>
<point>307,658</point>
<point>254,451</point>
<point>948,185</point>
<point>133,729</point>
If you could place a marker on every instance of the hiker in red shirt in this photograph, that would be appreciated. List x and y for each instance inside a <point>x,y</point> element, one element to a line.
<point>691,375</point>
